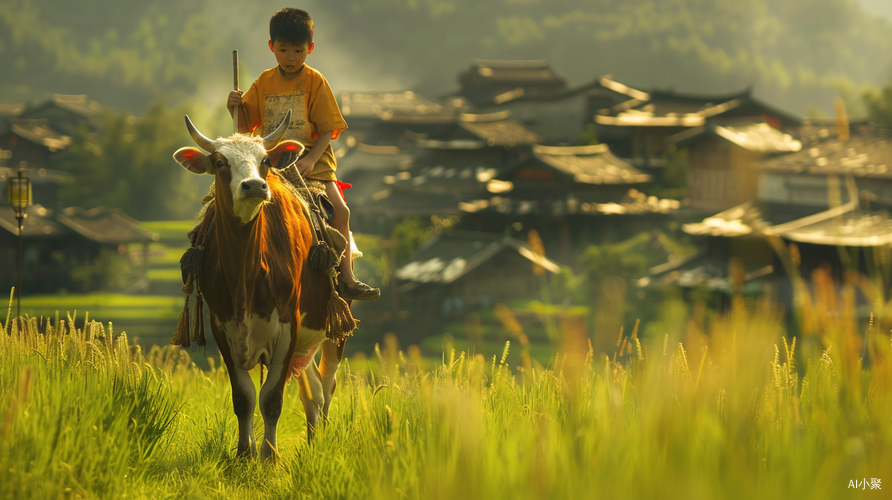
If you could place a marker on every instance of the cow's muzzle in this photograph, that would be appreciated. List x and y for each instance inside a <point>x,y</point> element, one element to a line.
<point>255,188</point>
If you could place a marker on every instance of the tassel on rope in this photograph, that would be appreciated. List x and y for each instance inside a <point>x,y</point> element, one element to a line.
<point>321,256</point>
<point>181,334</point>
<point>339,322</point>
<point>191,261</point>
<point>198,327</point>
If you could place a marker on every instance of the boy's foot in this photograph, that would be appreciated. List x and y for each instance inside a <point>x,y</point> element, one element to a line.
<point>358,291</point>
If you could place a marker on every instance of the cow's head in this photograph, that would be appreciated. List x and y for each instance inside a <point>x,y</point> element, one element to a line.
<point>239,163</point>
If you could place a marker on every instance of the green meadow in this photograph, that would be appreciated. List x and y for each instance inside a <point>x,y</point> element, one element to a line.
<point>717,406</point>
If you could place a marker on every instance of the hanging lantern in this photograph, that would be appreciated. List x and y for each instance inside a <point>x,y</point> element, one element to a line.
<point>19,191</point>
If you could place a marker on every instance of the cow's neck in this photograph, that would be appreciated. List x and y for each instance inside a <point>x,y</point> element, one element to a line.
<point>238,249</point>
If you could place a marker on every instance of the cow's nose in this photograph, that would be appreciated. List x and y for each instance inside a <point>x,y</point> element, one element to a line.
<point>255,187</point>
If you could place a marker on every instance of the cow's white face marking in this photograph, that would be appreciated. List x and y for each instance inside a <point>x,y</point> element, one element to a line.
<point>245,154</point>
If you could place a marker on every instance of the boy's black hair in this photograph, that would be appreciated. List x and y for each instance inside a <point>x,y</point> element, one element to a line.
<point>293,26</point>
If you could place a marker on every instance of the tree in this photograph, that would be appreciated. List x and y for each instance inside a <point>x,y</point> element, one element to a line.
<point>879,105</point>
<point>128,165</point>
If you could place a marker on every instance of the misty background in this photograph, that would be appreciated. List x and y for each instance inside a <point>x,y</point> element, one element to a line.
<point>796,54</point>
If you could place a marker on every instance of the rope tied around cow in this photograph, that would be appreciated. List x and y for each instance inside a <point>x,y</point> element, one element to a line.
<point>325,255</point>
<point>339,322</point>
<point>190,265</point>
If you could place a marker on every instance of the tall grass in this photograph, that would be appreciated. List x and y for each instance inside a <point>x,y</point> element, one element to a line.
<point>727,406</point>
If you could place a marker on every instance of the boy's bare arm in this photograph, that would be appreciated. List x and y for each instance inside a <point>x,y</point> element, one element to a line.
<point>235,99</point>
<point>305,165</point>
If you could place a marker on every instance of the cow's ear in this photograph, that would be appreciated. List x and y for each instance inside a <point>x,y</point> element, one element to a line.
<point>194,160</point>
<point>284,146</point>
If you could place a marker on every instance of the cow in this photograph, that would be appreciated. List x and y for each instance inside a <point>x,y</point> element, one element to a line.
<point>265,306</point>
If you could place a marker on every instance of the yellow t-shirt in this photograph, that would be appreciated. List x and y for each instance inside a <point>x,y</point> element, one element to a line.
<point>313,110</point>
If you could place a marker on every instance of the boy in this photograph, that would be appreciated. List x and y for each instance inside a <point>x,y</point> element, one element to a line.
<point>315,122</point>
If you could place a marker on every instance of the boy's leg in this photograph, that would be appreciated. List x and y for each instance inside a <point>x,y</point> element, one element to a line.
<point>349,287</point>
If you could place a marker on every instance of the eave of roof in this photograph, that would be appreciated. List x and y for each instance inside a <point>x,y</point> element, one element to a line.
<point>434,269</point>
<point>590,164</point>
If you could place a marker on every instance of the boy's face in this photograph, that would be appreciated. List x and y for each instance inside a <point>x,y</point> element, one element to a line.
<point>290,57</point>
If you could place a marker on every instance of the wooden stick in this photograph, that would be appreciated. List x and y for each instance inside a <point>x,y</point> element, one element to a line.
<point>238,109</point>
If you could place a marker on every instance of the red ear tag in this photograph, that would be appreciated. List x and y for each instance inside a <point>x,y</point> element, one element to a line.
<point>291,147</point>
<point>189,154</point>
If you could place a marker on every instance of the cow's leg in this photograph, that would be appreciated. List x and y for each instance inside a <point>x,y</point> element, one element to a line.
<point>273,388</point>
<point>243,395</point>
<point>310,383</point>
<point>328,367</point>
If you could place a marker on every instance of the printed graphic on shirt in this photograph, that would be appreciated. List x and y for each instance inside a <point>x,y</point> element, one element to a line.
<point>274,112</point>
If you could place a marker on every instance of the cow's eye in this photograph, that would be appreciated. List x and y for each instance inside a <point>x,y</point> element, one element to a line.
<point>220,163</point>
<point>265,161</point>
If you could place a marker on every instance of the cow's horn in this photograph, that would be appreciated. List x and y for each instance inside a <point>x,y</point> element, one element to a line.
<point>272,139</point>
<point>199,138</point>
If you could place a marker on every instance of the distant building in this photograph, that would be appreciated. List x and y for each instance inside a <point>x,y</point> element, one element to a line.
<point>35,134</point>
<point>724,161</point>
<point>830,199</point>
<point>56,242</point>
<point>393,118</point>
<point>648,121</point>
<point>485,80</point>
<point>456,272</point>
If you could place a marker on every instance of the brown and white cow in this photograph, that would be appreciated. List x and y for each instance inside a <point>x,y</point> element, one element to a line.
<point>265,305</point>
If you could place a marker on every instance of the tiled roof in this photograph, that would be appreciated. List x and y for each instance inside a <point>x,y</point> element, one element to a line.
<point>498,129</point>
<point>845,225</point>
<point>38,132</point>
<point>523,71</point>
<point>635,203</point>
<point>38,223</point>
<point>673,109</point>
<point>448,257</point>
<point>758,137</point>
<point>78,104</point>
<point>590,164</point>
<point>867,153</point>
<point>103,225</point>
<point>12,108</point>
<point>396,107</point>
<point>705,269</point>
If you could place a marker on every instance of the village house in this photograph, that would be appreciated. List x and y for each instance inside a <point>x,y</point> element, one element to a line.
<point>639,128</point>
<point>723,162</point>
<point>393,118</point>
<point>456,272</point>
<point>539,98</point>
<point>57,242</point>
<point>830,199</point>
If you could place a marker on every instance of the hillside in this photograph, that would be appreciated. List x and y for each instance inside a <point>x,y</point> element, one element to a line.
<point>795,53</point>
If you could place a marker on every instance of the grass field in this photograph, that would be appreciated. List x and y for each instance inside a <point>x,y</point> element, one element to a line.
<point>726,407</point>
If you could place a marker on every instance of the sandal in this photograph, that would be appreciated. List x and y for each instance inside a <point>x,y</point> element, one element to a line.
<point>359,291</point>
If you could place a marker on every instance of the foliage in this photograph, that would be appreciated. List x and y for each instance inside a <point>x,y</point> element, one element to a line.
<point>128,165</point>
<point>879,105</point>
<point>691,411</point>
<point>110,271</point>
<point>599,262</point>
<point>412,232</point>
<point>675,173</point>
<point>796,51</point>
<point>127,54</point>
<point>374,265</point>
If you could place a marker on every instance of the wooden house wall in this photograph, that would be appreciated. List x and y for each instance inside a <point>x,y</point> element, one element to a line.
<point>24,150</point>
<point>649,143</point>
<point>721,174</point>
<point>798,189</point>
